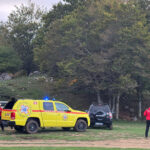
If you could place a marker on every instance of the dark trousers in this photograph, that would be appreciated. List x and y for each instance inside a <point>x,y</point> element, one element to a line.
<point>147,127</point>
<point>1,124</point>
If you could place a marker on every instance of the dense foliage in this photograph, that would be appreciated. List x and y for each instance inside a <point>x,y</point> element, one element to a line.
<point>99,47</point>
<point>22,26</point>
<point>103,45</point>
<point>9,60</point>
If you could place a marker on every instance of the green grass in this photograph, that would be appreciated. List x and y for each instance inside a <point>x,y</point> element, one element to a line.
<point>122,130</point>
<point>25,87</point>
<point>65,148</point>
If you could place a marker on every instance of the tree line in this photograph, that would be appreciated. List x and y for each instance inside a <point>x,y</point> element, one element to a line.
<point>99,46</point>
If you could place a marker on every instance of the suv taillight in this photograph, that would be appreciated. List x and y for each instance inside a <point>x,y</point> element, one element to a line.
<point>13,116</point>
<point>109,115</point>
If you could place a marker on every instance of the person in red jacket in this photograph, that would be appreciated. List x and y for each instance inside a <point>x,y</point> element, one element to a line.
<point>147,115</point>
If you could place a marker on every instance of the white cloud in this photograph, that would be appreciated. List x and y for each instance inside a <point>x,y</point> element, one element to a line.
<point>45,3</point>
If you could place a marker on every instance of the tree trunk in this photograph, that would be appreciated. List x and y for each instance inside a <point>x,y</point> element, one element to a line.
<point>110,103</point>
<point>113,104</point>
<point>140,104</point>
<point>99,97</point>
<point>140,109</point>
<point>117,106</point>
<point>139,95</point>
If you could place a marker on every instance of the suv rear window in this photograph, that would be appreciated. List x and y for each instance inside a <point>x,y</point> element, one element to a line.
<point>10,104</point>
<point>96,108</point>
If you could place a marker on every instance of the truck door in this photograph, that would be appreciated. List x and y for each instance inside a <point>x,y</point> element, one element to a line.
<point>49,116</point>
<point>65,118</point>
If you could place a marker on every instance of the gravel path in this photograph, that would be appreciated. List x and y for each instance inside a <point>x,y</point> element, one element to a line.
<point>123,143</point>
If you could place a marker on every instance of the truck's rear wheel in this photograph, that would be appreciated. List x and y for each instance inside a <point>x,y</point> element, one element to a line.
<point>81,125</point>
<point>32,126</point>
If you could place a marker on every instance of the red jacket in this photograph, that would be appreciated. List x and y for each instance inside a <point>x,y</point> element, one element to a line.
<point>147,113</point>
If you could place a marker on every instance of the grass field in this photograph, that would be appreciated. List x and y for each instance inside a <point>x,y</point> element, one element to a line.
<point>26,87</point>
<point>23,87</point>
<point>121,130</point>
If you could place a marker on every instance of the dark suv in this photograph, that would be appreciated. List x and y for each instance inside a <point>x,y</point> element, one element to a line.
<point>100,115</point>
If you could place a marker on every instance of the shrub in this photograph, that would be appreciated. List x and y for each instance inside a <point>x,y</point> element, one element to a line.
<point>9,60</point>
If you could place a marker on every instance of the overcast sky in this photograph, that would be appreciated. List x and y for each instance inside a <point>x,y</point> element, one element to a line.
<point>6,6</point>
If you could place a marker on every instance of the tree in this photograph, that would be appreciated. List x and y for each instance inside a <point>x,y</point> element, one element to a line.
<point>22,27</point>
<point>84,36</point>
<point>59,11</point>
<point>101,45</point>
<point>3,35</point>
<point>132,56</point>
<point>9,60</point>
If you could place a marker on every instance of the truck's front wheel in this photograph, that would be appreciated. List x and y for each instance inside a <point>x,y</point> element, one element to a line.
<point>81,125</point>
<point>32,126</point>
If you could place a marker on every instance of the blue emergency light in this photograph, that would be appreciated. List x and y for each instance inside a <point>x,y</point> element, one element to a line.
<point>46,98</point>
<point>53,99</point>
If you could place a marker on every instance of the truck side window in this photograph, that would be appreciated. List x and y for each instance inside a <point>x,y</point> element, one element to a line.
<point>61,107</point>
<point>48,106</point>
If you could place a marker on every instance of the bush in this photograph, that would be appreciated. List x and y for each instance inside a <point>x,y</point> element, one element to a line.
<point>9,60</point>
<point>6,93</point>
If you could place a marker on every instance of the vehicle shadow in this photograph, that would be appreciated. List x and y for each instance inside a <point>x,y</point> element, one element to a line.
<point>54,130</point>
<point>99,128</point>
<point>9,131</point>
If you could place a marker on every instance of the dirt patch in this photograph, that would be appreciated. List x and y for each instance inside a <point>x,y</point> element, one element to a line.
<point>122,143</point>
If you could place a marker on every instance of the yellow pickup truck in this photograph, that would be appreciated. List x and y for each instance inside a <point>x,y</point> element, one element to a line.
<point>28,115</point>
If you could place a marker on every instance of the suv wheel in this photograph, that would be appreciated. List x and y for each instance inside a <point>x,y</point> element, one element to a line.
<point>110,127</point>
<point>80,126</point>
<point>32,126</point>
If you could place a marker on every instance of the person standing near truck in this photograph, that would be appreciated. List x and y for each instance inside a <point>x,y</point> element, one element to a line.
<point>1,124</point>
<point>147,115</point>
